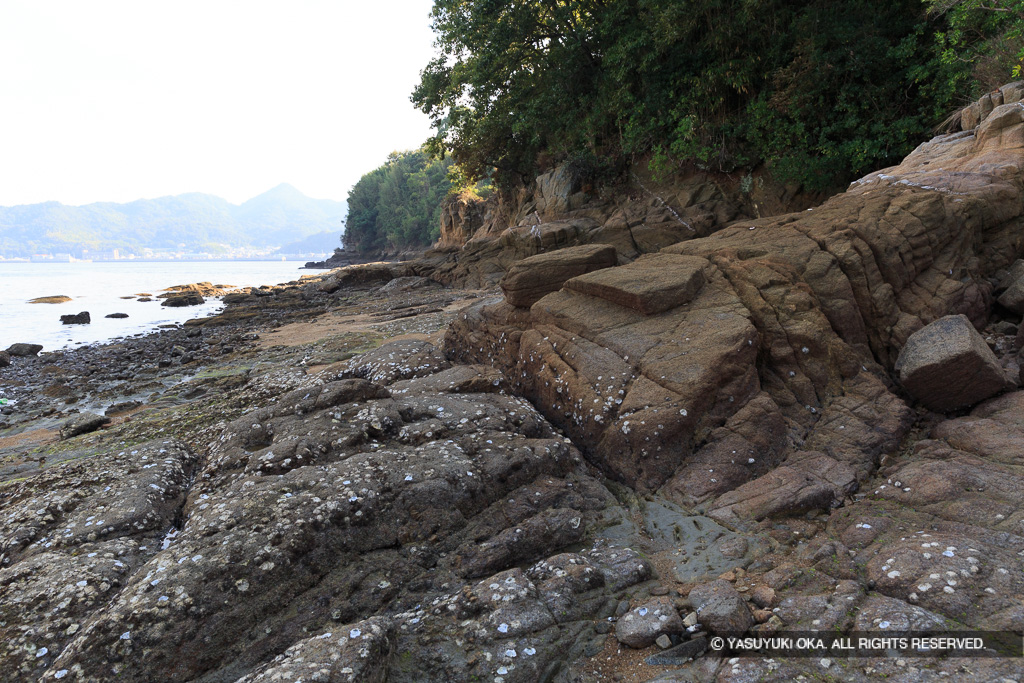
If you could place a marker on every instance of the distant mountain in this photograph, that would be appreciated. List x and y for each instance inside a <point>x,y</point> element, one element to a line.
<point>191,222</point>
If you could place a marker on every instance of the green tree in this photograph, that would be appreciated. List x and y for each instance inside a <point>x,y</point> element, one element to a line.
<point>816,90</point>
<point>397,205</point>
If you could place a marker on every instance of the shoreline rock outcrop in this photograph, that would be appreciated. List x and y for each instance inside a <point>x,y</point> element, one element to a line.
<point>366,475</point>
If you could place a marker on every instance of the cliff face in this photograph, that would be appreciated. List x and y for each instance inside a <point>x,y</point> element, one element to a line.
<point>561,208</point>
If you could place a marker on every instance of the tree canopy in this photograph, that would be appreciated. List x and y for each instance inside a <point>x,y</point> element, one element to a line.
<point>819,91</point>
<point>398,204</point>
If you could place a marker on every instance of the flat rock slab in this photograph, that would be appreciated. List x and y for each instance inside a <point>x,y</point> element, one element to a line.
<point>651,284</point>
<point>535,276</point>
<point>947,365</point>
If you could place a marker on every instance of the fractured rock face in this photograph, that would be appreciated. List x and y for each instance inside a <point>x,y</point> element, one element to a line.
<point>947,365</point>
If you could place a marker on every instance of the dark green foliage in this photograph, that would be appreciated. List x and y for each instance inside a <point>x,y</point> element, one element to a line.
<point>819,90</point>
<point>397,205</point>
<point>986,36</point>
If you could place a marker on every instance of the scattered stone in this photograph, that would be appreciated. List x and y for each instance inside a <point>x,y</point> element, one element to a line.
<point>663,641</point>
<point>116,315</point>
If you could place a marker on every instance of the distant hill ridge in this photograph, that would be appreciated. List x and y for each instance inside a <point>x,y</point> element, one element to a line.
<point>200,222</point>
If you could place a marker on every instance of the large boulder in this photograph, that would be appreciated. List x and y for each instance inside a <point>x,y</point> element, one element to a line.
<point>720,608</point>
<point>947,365</point>
<point>533,277</point>
<point>24,350</point>
<point>5,359</point>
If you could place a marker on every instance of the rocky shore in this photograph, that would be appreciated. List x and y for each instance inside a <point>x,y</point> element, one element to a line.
<point>630,440</point>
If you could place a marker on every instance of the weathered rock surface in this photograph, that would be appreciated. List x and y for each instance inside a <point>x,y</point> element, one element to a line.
<point>329,501</point>
<point>947,365</point>
<point>5,359</point>
<point>281,508</point>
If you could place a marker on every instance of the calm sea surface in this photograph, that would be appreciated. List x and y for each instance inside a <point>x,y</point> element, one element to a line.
<point>98,288</point>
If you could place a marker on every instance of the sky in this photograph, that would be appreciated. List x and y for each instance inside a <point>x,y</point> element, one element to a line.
<point>111,100</point>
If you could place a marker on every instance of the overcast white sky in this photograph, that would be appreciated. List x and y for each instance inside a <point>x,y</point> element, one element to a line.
<point>111,100</point>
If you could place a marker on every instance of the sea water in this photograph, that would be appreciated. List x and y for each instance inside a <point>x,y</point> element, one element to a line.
<point>100,288</point>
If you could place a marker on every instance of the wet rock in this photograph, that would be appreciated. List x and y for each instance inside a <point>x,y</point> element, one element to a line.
<point>947,365</point>
<point>116,315</point>
<point>82,318</point>
<point>720,608</point>
<point>643,625</point>
<point>83,424</point>
<point>532,278</point>
<point>24,350</point>
<point>180,300</point>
